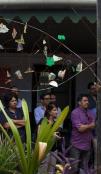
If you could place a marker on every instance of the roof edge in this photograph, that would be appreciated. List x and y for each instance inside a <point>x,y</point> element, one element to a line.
<point>43,4</point>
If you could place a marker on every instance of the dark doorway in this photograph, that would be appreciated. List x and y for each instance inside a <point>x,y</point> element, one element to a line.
<point>65,93</point>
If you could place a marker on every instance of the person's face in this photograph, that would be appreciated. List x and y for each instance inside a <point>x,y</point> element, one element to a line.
<point>84,103</point>
<point>46,100</point>
<point>53,113</point>
<point>53,98</point>
<point>13,103</point>
<point>93,90</point>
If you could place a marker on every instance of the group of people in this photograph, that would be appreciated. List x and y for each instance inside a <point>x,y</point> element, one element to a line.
<point>45,99</point>
<point>83,119</point>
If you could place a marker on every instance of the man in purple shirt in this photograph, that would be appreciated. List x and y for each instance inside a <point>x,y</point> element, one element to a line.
<point>82,125</point>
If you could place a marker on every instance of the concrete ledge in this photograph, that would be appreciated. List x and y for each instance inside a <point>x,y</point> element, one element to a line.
<point>46,4</point>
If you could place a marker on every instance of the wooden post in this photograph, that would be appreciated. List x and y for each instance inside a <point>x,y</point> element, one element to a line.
<point>99,93</point>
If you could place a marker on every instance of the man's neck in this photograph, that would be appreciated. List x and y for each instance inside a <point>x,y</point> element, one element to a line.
<point>85,109</point>
<point>51,120</point>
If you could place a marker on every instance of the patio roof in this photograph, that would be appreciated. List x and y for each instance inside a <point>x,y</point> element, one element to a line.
<point>73,14</point>
<point>45,3</point>
<point>80,36</point>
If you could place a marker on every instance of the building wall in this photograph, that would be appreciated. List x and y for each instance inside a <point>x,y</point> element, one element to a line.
<point>82,81</point>
<point>21,61</point>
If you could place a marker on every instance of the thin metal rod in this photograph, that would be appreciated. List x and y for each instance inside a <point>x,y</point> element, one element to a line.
<point>99,93</point>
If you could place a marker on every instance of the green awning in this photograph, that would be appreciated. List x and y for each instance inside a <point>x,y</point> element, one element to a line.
<point>42,15</point>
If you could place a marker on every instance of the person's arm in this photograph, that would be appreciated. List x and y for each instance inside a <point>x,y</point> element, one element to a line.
<point>20,118</point>
<point>37,115</point>
<point>3,121</point>
<point>76,122</point>
<point>19,122</point>
<point>6,125</point>
<point>57,136</point>
<point>86,127</point>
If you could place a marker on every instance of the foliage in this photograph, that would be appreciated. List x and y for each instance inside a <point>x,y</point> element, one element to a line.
<point>8,160</point>
<point>65,164</point>
<point>29,159</point>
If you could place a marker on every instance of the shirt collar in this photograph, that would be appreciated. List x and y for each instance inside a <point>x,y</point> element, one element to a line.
<point>42,107</point>
<point>83,110</point>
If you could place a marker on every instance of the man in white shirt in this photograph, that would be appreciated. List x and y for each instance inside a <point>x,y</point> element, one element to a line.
<point>39,111</point>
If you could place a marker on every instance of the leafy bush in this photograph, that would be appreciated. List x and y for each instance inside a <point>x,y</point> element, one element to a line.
<point>8,160</point>
<point>29,160</point>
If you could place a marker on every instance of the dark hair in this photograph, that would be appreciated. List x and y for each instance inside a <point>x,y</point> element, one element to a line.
<point>13,86</point>
<point>49,107</point>
<point>43,95</point>
<point>90,84</point>
<point>8,97</point>
<point>81,96</point>
<point>52,94</point>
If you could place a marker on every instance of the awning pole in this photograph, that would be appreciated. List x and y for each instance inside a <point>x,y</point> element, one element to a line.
<point>99,93</point>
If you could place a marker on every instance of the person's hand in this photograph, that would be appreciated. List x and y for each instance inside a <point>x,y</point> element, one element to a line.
<point>97,86</point>
<point>86,127</point>
<point>56,135</point>
<point>19,122</point>
<point>92,125</point>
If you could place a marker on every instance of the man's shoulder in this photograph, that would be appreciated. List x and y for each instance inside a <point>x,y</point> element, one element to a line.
<point>92,112</point>
<point>75,115</point>
<point>38,108</point>
<point>76,110</point>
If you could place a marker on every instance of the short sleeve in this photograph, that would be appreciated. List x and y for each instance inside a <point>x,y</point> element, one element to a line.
<point>38,115</point>
<point>19,113</point>
<point>2,119</point>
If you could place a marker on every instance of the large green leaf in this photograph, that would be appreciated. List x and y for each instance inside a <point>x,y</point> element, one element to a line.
<point>19,145</point>
<point>57,124</point>
<point>30,162</point>
<point>6,134</point>
<point>60,119</point>
<point>44,130</point>
<point>45,134</point>
<point>8,158</point>
<point>41,136</point>
<point>28,131</point>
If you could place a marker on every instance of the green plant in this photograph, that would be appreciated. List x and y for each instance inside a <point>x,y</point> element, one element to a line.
<point>8,160</point>
<point>30,159</point>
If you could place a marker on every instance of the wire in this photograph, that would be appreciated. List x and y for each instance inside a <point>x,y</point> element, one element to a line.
<point>60,43</point>
<point>52,87</point>
<point>91,32</point>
